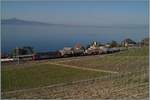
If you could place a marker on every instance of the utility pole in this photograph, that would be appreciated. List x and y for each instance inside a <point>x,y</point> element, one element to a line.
<point>17,50</point>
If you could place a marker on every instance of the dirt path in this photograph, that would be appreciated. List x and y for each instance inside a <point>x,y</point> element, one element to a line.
<point>83,68</point>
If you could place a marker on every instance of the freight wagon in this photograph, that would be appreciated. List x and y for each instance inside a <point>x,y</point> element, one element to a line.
<point>46,55</point>
<point>66,52</point>
<point>93,51</point>
<point>78,52</point>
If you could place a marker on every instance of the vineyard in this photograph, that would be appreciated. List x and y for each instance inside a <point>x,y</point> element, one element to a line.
<point>114,76</point>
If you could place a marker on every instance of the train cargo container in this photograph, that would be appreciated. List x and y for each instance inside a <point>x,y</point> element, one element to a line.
<point>46,55</point>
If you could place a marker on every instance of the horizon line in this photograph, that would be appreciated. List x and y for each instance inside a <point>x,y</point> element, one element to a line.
<point>15,18</point>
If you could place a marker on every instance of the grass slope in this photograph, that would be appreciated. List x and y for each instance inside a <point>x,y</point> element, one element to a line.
<point>127,61</point>
<point>36,75</point>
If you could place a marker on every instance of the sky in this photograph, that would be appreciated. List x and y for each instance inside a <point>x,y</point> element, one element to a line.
<point>78,12</point>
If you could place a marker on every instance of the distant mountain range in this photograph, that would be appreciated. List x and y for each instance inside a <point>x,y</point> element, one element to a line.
<point>15,21</point>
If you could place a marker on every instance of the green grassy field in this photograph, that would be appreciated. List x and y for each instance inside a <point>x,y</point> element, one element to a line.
<point>125,61</point>
<point>130,86</point>
<point>33,75</point>
<point>38,75</point>
<point>135,52</point>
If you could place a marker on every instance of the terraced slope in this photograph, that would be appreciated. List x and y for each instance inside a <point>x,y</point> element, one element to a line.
<point>57,78</point>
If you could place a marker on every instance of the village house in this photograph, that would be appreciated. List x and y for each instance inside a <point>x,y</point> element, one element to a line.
<point>128,43</point>
<point>93,49</point>
<point>145,42</point>
<point>67,51</point>
<point>78,49</point>
<point>94,45</point>
<point>107,45</point>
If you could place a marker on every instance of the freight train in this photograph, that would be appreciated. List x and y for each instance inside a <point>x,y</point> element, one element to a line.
<point>67,53</point>
<point>46,55</point>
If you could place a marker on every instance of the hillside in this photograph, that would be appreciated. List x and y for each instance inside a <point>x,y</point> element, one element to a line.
<point>114,76</point>
<point>15,21</point>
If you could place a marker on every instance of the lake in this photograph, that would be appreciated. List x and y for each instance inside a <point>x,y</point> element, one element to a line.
<point>55,37</point>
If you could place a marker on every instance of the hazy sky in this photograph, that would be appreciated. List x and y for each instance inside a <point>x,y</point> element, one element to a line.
<point>85,13</point>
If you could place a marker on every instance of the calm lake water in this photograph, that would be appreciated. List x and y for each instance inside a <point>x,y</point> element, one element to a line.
<point>47,38</point>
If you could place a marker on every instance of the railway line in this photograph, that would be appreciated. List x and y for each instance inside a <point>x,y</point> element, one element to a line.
<point>61,59</point>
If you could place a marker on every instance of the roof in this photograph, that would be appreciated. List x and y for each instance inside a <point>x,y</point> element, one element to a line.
<point>67,48</point>
<point>129,41</point>
<point>145,40</point>
<point>78,45</point>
